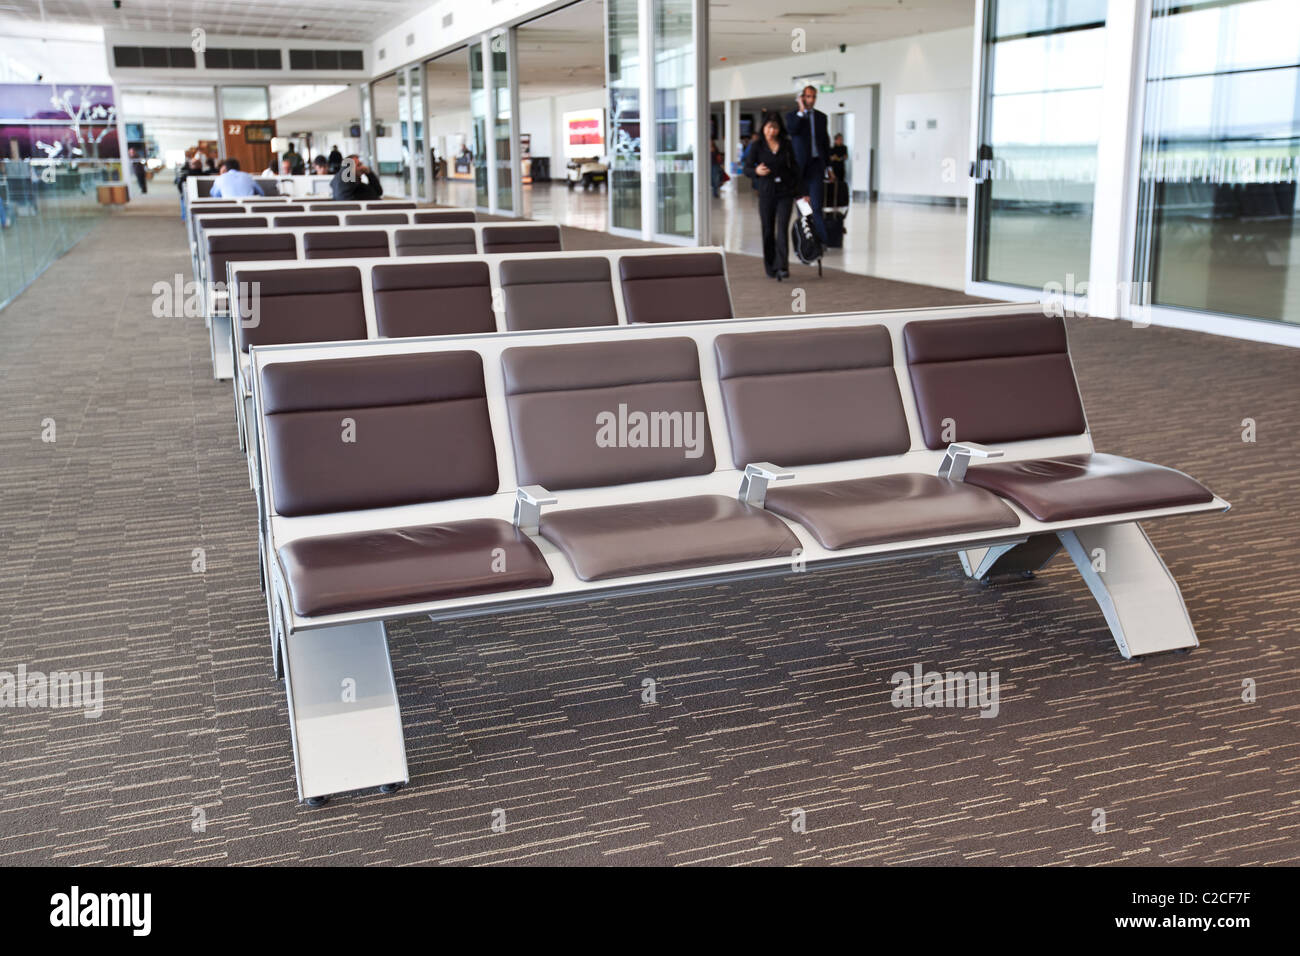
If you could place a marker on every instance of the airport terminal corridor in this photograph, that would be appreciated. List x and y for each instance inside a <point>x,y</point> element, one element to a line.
<point>129,547</point>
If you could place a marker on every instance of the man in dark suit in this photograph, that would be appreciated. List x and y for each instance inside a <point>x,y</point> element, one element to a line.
<point>812,150</point>
<point>355,180</point>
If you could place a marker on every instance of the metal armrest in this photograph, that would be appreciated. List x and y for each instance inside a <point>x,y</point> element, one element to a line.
<point>753,486</point>
<point>528,507</point>
<point>958,456</point>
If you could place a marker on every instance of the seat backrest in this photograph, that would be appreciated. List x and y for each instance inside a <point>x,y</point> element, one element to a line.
<point>530,238</point>
<point>434,242</point>
<point>557,293</point>
<point>992,379</point>
<point>280,306</point>
<point>376,219</point>
<point>275,207</point>
<point>347,244</point>
<point>439,216</point>
<point>244,247</point>
<point>811,396</point>
<point>606,413</point>
<point>382,204</point>
<point>675,288</point>
<point>230,222</point>
<point>270,187</point>
<point>432,298</point>
<point>306,219</point>
<point>203,187</point>
<point>374,432</point>
<point>334,206</point>
<point>225,208</point>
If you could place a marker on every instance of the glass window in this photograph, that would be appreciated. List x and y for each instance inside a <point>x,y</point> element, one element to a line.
<point>1039,128</point>
<point>1221,147</point>
<point>675,117</point>
<point>244,103</point>
<point>501,121</point>
<point>624,84</point>
<point>478,109</point>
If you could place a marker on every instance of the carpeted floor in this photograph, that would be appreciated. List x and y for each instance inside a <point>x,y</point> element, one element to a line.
<point>773,696</point>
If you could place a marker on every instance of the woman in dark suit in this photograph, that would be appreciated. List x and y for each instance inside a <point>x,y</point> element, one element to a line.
<point>771,164</point>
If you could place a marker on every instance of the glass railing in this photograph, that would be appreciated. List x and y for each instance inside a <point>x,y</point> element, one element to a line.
<point>45,207</point>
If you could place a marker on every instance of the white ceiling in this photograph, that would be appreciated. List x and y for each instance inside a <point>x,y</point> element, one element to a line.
<point>354,21</point>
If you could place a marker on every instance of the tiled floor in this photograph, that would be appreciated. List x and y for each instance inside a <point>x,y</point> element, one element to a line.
<point>892,240</point>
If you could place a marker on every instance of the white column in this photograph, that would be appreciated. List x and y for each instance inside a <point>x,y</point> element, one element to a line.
<point>703,161</point>
<point>1118,154</point>
<point>730,139</point>
<point>649,139</point>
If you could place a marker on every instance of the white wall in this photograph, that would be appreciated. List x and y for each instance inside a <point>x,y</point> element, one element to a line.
<point>543,118</point>
<point>923,77</point>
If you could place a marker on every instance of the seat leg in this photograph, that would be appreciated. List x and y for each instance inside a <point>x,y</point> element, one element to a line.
<point>1136,592</point>
<point>1022,556</point>
<point>222,359</point>
<point>343,710</point>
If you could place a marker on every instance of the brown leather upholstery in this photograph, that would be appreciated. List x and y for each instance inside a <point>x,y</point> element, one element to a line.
<point>420,428</point>
<point>434,242</point>
<point>541,238</point>
<point>650,536</point>
<point>376,219</point>
<point>306,219</point>
<point>246,247</point>
<point>391,204</point>
<point>433,298</point>
<point>203,187</point>
<point>866,511</point>
<point>564,403</point>
<point>300,305</point>
<point>811,396</point>
<point>333,206</point>
<point>274,207</point>
<point>346,244</point>
<point>226,208</point>
<point>1085,486</point>
<point>441,216</point>
<point>376,569</point>
<point>998,378</point>
<point>557,293</point>
<point>270,187</point>
<point>675,288</point>
<point>205,223</point>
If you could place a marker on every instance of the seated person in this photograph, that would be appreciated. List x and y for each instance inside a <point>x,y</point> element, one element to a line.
<point>234,182</point>
<point>320,166</point>
<point>355,180</point>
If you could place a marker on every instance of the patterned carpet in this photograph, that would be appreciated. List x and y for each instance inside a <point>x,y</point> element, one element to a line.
<point>773,696</point>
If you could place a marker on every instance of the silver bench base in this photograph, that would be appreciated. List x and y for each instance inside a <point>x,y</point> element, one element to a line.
<point>223,362</point>
<point>342,745</point>
<point>1135,591</point>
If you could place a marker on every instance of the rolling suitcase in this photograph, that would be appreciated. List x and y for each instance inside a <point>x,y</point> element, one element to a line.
<point>834,209</point>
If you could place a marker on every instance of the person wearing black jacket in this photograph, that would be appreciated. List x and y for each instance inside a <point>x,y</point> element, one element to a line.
<point>771,164</point>
<point>355,180</point>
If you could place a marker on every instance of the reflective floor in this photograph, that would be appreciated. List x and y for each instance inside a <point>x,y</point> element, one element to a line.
<point>905,241</point>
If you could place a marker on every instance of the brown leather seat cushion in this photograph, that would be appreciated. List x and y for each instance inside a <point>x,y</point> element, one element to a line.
<point>346,244</point>
<point>376,219</point>
<point>434,242</point>
<point>433,298</point>
<point>559,395</point>
<point>306,219</point>
<point>274,207</point>
<point>418,425</point>
<point>557,293</point>
<point>333,206</point>
<point>619,540</point>
<point>301,305</point>
<point>439,216</point>
<point>865,511</point>
<point>521,239</point>
<point>376,569</point>
<point>997,378</point>
<point>1085,486</point>
<point>811,396</point>
<point>675,288</point>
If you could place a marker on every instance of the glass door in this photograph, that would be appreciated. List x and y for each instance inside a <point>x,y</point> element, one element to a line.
<point>1036,160</point>
<point>478,112</point>
<point>675,117</point>
<point>623,81</point>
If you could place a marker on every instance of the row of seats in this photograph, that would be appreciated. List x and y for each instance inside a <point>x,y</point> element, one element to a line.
<point>224,246</point>
<point>426,433</point>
